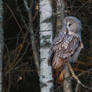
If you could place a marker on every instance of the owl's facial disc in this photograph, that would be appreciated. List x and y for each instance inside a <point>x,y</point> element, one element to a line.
<point>72,25</point>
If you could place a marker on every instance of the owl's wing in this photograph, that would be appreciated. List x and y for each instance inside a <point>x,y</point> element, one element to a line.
<point>56,41</point>
<point>64,46</point>
<point>67,47</point>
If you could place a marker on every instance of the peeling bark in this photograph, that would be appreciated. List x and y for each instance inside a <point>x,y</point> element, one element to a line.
<point>46,80</point>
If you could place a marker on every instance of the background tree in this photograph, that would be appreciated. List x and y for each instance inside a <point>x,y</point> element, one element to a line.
<point>1,44</point>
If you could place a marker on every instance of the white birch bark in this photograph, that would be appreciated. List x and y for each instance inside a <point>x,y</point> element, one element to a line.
<point>1,45</point>
<point>46,80</point>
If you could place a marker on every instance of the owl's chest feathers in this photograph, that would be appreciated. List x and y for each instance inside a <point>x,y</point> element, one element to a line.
<point>66,41</point>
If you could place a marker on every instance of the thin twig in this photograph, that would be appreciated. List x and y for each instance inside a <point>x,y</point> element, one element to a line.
<point>76,78</point>
<point>32,38</point>
<point>81,7</point>
<point>12,65</point>
<point>88,71</point>
<point>13,16</point>
<point>30,29</point>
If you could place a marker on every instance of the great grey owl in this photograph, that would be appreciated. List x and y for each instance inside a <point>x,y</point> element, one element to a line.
<point>66,46</point>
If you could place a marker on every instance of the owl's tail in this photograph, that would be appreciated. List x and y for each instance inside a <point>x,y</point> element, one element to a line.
<point>58,66</point>
<point>60,75</point>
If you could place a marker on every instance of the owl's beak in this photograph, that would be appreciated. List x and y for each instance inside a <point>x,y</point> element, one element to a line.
<point>66,30</point>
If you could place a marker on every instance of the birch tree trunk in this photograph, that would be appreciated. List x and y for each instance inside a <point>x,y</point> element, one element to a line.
<point>46,80</point>
<point>1,45</point>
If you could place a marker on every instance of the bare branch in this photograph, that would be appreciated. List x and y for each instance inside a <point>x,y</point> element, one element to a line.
<point>30,29</point>
<point>76,78</point>
<point>67,82</point>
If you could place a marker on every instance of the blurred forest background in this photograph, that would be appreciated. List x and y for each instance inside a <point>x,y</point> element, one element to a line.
<point>21,28</point>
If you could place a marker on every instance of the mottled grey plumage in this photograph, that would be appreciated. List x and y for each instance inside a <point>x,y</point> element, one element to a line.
<point>67,44</point>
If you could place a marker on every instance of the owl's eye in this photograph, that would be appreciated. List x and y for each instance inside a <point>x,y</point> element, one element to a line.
<point>69,24</point>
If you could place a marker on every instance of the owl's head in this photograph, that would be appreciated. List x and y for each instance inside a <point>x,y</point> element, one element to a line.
<point>72,24</point>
